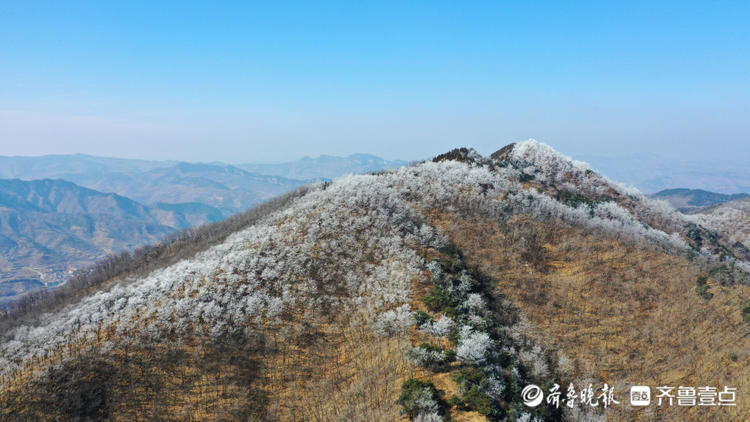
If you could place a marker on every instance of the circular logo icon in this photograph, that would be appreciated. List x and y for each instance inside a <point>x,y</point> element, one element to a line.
<point>532,395</point>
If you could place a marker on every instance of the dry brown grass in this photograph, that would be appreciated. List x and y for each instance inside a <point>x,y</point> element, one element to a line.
<point>350,374</point>
<point>337,370</point>
<point>626,315</point>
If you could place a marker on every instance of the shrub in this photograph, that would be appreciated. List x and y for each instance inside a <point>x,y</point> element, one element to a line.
<point>525,177</point>
<point>420,398</point>
<point>441,299</point>
<point>718,270</point>
<point>475,399</point>
<point>746,313</point>
<point>470,376</point>
<point>421,318</point>
<point>701,287</point>
<point>473,346</point>
<point>443,327</point>
<point>431,356</point>
<point>575,200</point>
<point>472,383</point>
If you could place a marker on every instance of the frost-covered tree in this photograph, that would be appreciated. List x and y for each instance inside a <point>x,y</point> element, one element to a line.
<point>440,328</point>
<point>394,321</point>
<point>473,346</point>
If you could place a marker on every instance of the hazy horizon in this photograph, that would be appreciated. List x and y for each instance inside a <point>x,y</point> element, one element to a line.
<point>272,83</point>
<point>588,158</point>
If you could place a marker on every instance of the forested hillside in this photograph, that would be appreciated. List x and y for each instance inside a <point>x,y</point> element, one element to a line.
<point>435,291</point>
<point>732,218</point>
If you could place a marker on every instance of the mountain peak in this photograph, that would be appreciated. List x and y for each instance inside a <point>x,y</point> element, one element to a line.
<point>464,154</point>
<point>540,155</point>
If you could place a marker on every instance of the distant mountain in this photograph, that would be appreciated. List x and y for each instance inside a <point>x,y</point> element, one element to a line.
<point>227,188</point>
<point>690,199</point>
<point>324,166</point>
<point>49,228</point>
<point>653,173</point>
<point>63,166</point>
<point>186,214</point>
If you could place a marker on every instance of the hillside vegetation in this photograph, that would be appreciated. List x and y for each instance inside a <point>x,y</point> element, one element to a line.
<point>436,291</point>
<point>732,218</point>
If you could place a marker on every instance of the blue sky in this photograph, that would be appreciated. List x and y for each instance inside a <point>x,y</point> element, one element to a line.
<point>273,81</point>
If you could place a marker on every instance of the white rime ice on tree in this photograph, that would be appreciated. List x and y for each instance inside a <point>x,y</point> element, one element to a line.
<point>439,328</point>
<point>546,158</point>
<point>349,247</point>
<point>358,234</point>
<point>428,417</point>
<point>425,402</point>
<point>475,304</point>
<point>394,321</point>
<point>526,417</point>
<point>473,346</point>
<point>731,218</point>
<point>435,269</point>
<point>577,176</point>
<point>534,359</point>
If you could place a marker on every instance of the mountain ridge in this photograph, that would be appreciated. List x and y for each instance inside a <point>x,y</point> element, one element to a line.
<point>691,199</point>
<point>434,277</point>
<point>325,166</point>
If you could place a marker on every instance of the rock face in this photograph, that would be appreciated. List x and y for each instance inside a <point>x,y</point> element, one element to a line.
<point>503,153</point>
<point>435,290</point>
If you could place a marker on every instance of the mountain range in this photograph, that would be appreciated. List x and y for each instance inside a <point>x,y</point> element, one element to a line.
<point>324,166</point>
<point>687,200</point>
<point>446,289</point>
<point>50,228</point>
<point>222,186</point>
<point>60,213</point>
